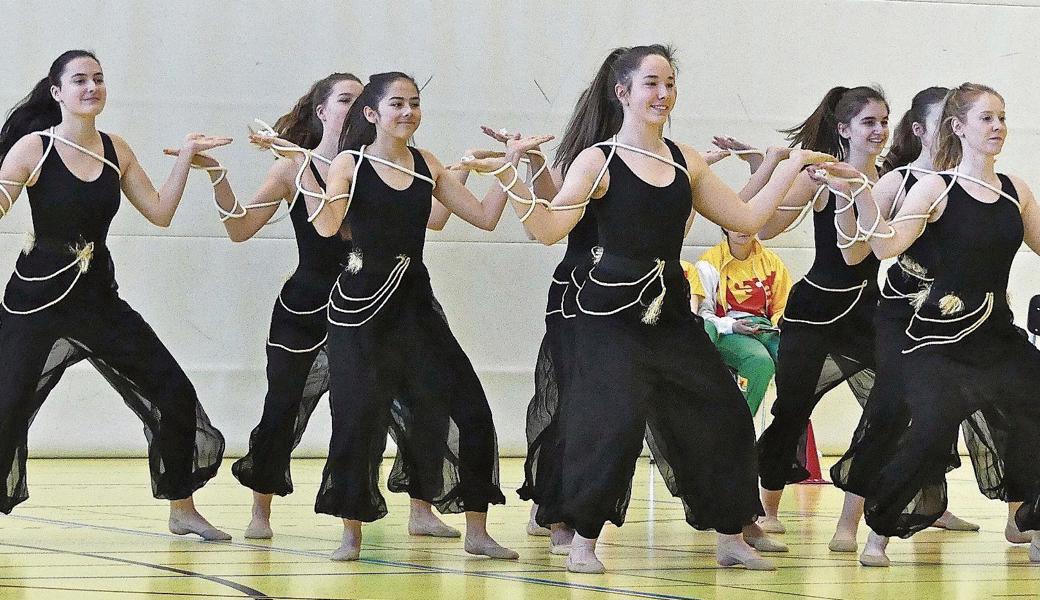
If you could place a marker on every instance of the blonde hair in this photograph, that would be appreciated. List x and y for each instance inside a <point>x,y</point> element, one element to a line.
<point>958,102</point>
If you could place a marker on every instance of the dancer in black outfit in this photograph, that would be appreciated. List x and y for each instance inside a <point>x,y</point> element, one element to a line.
<point>885,413</point>
<point>963,353</point>
<point>828,334</point>
<point>633,362</point>
<point>297,361</point>
<point>62,305</point>
<point>385,338</point>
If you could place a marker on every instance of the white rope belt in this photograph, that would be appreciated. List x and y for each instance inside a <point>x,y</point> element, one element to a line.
<point>653,310</point>
<point>81,262</point>
<point>986,309</point>
<point>374,302</point>
<point>856,288</point>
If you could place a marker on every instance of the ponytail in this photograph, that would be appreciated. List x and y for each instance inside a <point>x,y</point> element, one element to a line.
<point>357,130</point>
<point>301,125</point>
<point>906,146</point>
<point>38,110</point>
<point>819,132</point>
<point>948,150</point>
<point>598,114</point>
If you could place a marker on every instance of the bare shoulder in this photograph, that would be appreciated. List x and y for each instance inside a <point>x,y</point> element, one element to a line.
<point>695,163</point>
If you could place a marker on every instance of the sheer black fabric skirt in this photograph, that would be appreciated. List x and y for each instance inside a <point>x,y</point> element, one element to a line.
<point>91,322</point>
<point>886,417</point>
<point>812,360</point>
<point>297,378</point>
<point>666,379</point>
<point>993,370</point>
<point>551,377</point>
<point>387,340</point>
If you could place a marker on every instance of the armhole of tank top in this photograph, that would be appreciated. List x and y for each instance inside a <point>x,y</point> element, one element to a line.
<point>317,175</point>
<point>418,159</point>
<point>106,144</point>
<point>1008,185</point>
<point>676,151</point>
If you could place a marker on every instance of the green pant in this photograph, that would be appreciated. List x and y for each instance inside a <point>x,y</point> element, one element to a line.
<point>752,356</point>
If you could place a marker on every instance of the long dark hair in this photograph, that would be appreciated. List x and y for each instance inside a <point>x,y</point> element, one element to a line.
<point>301,125</point>
<point>906,146</point>
<point>598,114</point>
<point>819,132</point>
<point>357,130</point>
<point>38,110</point>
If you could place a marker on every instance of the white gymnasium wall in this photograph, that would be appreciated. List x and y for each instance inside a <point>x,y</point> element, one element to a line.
<point>747,68</point>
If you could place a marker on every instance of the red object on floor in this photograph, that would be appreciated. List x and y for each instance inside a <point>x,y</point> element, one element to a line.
<point>812,459</point>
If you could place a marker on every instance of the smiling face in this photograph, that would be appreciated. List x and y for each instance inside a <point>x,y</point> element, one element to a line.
<point>332,112</point>
<point>650,93</point>
<point>867,131</point>
<point>82,90</point>
<point>984,128</point>
<point>398,114</point>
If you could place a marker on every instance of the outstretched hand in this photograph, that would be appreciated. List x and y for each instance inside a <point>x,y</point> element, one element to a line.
<point>477,164</point>
<point>523,145</point>
<point>200,142</point>
<point>198,159</point>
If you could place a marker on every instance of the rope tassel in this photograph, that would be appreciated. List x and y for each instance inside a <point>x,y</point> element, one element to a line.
<point>950,304</point>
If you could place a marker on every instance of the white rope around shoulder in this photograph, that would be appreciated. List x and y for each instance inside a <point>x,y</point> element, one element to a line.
<point>83,253</point>
<point>361,156</point>
<point>51,137</point>
<point>951,303</point>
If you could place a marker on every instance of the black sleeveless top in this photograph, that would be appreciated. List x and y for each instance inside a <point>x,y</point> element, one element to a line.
<point>67,210</point>
<point>317,253</point>
<point>642,221</point>
<point>582,239</point>
<point>385,222</point>
<point>829,267</point>
<point>978,243</point>
<point>920,258</point>
<point>981,238</point>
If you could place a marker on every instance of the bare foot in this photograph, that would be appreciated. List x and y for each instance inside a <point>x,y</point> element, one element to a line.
<point>771,525</point>
<point>427,523</point>
<point>1014,536</point>
<point>582,556</point>
<point>843,541</point>
<point>560,539</point>
<point>533,528</point>
<point>952,522</point>
<point>732,550</point>
<point>350,548</point>
<point>759,540</point>
<point>485,545</point>
<point>184,519</point>
<point>260,524</point>
<point>259,529</point>
<point>873,554</point>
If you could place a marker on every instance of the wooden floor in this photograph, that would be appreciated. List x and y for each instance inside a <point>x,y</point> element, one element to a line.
<point>92,531</point>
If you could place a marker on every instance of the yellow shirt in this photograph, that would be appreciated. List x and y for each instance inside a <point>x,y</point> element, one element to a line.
<point>758,285</point>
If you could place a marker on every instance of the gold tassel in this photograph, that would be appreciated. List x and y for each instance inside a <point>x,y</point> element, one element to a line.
<point>912,266</point>
<point>30,243</point>
<point>653,311</point>
<point>83,254</point>
<point>354,262</point>
<point>950,304</point>
<point>917,299</point>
